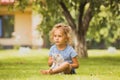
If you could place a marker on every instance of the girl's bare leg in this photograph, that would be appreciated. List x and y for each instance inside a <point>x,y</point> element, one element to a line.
<point>44,72</point>
<point>65,67</point>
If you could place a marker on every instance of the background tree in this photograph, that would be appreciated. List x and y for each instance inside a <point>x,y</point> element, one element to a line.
<point>78,14</point>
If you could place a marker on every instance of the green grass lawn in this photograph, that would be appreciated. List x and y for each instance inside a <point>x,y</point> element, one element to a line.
<point>100,65</point>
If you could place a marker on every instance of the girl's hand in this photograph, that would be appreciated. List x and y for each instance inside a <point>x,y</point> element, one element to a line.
<point>75,63</point>
<point>50,61</point>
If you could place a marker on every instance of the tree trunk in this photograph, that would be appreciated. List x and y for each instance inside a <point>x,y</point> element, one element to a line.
<point>80,45</point>
<point>46,43</point>
<point>80,29</point>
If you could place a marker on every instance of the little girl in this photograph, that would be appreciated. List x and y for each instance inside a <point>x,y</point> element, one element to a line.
<point>60,36</point>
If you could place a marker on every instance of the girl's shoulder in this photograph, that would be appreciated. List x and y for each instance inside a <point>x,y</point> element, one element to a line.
<point>69,47</point>
<point>52,47</point>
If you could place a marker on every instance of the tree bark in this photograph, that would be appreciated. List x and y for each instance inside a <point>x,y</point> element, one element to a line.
<point>67,15</point>
<point>80,45</point>
<point>80,30</point>
<point>83,24</point>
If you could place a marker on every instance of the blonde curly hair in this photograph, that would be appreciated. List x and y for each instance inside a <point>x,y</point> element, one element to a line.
<point>65,29</point>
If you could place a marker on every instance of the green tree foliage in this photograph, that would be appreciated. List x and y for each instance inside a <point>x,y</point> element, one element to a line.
<point>105,26</point>
<point>50,14</point>
<point>102,15</point>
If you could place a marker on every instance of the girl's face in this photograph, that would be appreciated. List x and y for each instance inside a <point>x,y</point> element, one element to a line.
<point>59,37</point>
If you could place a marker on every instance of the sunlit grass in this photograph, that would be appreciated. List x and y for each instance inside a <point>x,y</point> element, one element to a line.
<point>100,65</point>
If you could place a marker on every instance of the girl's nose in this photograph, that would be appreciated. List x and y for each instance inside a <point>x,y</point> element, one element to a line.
<point>57,38</point>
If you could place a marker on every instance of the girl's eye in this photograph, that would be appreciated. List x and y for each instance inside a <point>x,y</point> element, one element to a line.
<point>59,35</point>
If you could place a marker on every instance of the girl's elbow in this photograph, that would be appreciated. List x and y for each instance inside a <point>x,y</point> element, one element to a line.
<point>49,64</point>
<point>77,65</point>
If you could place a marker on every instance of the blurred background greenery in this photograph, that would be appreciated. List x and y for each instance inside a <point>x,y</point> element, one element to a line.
<point>95,24</point>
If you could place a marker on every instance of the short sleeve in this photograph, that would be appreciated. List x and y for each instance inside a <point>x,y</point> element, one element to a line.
<point>73,53</point>
<point>51,51</point>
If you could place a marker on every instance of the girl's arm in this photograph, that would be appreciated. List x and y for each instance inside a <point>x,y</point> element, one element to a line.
<point>75,63</point>
<point>50,61</point>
